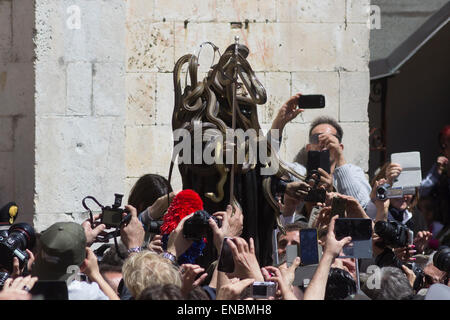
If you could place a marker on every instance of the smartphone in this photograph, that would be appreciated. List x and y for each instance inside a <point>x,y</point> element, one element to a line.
<point>338,207</point>
<point>226,262</point>
<point>309,247</point>
<point>50,290</point>
<point>357,228</point>
<point>318,159</point>
<point>311,101</point>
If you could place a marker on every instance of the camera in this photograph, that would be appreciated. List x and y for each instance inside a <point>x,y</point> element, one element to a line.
<point>261,290</point>
<point>197,226</point>
<point>154,226</point>
<point>394,234</point>
<point>21,236</point>
<point>441,259</point>
<point>385,191</point>
<point>112,216</point>
<point>316,194</point>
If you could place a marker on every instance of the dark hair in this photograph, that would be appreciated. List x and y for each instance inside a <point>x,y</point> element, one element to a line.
<point>340,285</point>
<point>111,258</point>
<point>161,292</point>
<point>105,267</point>
<point>147,190</point>
<point>296,226</point>
<point>330,121</point>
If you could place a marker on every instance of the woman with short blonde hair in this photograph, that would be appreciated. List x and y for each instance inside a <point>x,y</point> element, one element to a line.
<point>145,269</point>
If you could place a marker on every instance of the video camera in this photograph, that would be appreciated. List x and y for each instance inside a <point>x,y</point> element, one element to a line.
<point>407,181</point>
<point>394,234</point>
<point>385,191</point>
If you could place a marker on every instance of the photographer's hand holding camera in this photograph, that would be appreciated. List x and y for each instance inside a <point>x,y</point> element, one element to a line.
<point>17,270</point>
<point>232,225</point>
<point>382,206</point>
<point>273,274</point>
<point>233,290</point>
<point>177,243</point>
<point>287,113</point>
<point>297,190</point>
<point>132,234</point>
<point>18,288</point>
<point>190,279</point>
<point>92,233</point>
<point>156,244</point>
<point>245,262</point>
<point>333,248</point>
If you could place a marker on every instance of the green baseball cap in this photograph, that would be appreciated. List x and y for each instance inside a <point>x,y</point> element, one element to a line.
<point>62,245</point>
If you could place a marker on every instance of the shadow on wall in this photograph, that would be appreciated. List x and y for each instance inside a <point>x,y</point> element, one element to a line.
<point>17,106</point>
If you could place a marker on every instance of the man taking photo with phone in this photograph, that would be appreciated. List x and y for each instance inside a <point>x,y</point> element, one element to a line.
<point>325,133</point>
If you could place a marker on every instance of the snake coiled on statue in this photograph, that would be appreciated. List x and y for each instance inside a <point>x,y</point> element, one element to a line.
<point>208,103</point>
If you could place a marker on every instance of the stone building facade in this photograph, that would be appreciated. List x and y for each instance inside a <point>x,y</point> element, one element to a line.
<point>86,90</point>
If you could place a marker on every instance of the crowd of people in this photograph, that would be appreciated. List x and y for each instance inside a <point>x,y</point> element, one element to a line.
<point>156,260</point>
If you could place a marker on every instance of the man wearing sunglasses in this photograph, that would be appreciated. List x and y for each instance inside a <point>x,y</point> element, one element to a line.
<point>326,133</point>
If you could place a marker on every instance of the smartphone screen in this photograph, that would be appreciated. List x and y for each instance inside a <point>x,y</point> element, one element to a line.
<point>318,159</point>
<point>309,251</point>
<point>226,262</point>
<point>357,228</point>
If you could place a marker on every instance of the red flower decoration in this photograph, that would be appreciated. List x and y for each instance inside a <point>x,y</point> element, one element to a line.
<point>184,203</point>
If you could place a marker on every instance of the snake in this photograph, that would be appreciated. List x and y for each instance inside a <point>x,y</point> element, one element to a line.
<point>208,103</point>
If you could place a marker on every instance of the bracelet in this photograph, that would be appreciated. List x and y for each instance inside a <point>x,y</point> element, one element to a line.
<point>170,257</point>
<point>137,249</point>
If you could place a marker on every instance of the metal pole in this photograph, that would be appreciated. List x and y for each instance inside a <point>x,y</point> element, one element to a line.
<point>233,119</point>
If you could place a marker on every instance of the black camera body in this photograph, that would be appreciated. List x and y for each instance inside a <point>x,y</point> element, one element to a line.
<point>21,236</point>
<point>196,227</point>
<point>441,259</point>
<point>154,226</point>
<point>112,216</point>
<point>316,160</point>
<point>394,234</point>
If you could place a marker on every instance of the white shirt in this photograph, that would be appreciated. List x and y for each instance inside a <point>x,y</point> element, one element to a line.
<point>82,290</point>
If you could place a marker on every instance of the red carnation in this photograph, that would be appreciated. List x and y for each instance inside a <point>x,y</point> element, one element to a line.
<point>184,203</point>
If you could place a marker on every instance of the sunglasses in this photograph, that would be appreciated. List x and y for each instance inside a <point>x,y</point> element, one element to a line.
<point>314,139</point>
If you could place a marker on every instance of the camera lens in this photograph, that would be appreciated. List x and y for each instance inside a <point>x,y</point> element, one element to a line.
<point>441,259</point>
<point>382,191</point>
<point>392,233</point>
<point>21,236</point>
